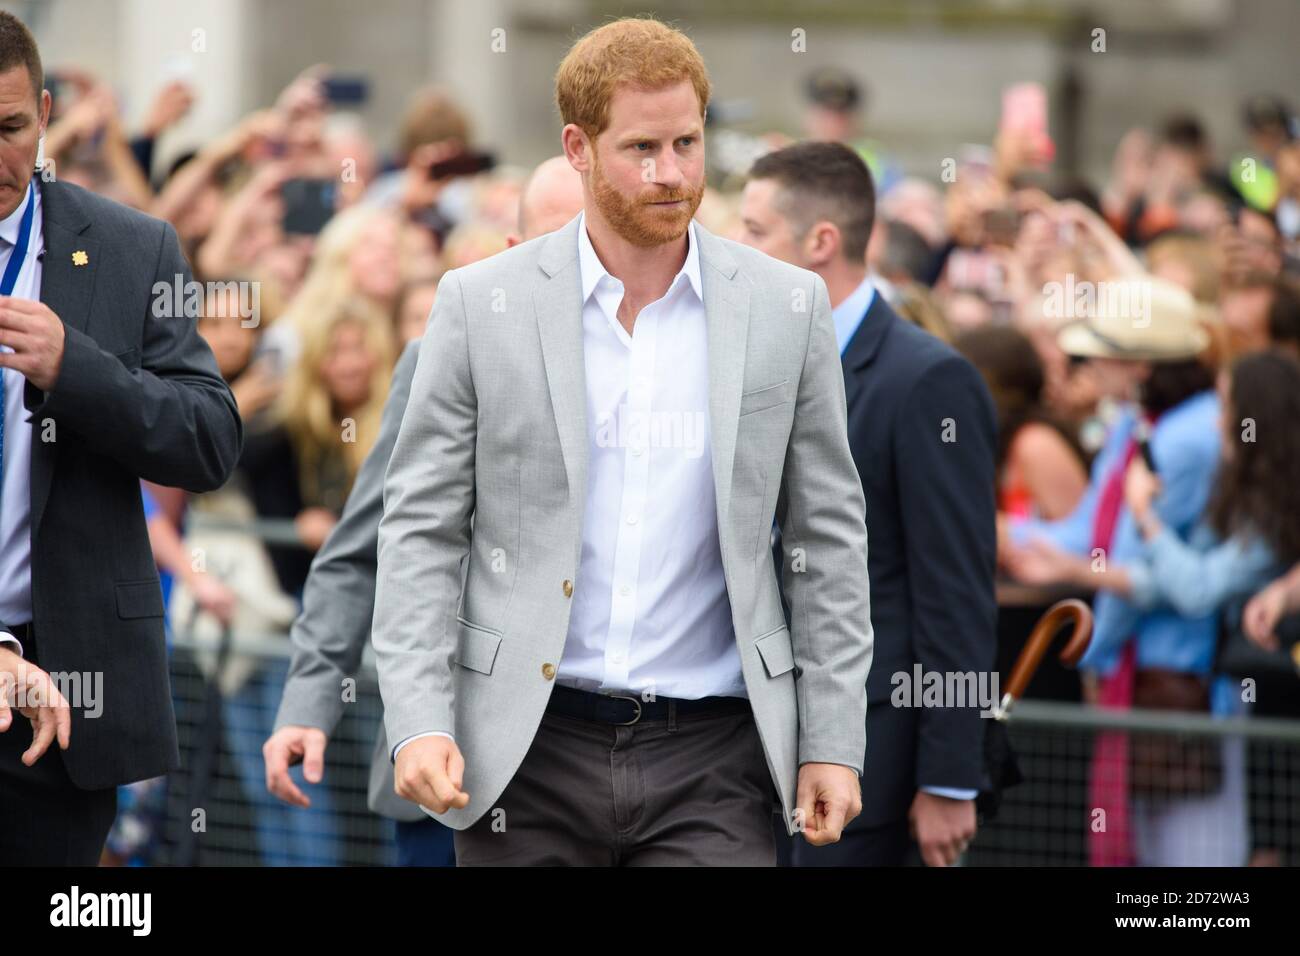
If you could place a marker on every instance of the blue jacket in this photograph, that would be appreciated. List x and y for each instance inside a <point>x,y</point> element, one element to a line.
<point>1185,444</point>
<point>1202,574</point>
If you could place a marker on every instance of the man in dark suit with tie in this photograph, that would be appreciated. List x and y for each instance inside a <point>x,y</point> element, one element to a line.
<point>923,434</point>
<point>104,383</point>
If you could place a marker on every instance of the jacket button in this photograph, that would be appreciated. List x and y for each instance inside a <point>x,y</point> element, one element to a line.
<point>568,588</point>
<point>548,671</point>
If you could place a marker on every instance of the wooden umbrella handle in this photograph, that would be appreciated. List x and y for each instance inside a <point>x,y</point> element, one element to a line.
<point>1069,610</point>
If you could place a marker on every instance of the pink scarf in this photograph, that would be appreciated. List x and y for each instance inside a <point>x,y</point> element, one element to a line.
<point>1108,777</point>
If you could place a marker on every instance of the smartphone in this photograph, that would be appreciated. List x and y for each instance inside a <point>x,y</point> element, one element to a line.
<point>1024,116</point>
<point>308,205</point>
<point>973,270</point>
<point>272,358</point>
<point>1142,436</point>
<point>467,163</point>
<point>1024,108</point>
<point>343,90</point>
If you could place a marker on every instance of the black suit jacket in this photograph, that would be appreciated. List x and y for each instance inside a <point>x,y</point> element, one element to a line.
<point>138,396</point>
<point>931,552</point>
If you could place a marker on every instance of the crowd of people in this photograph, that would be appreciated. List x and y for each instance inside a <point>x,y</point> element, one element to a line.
<point>1151,457</point>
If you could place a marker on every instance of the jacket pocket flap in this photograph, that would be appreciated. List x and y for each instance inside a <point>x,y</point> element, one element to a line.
<point>765,397</point>
<point>774,648</point>
<point>139,599</point>
<point>476,647</point>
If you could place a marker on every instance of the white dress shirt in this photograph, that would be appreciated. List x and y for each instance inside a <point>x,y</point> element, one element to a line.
<point>16,491</point>
<point>650,608</point>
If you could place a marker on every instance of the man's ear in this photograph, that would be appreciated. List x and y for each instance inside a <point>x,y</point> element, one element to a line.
<point>577,147</point>
<point>822,243</point>
<point>45,110</point>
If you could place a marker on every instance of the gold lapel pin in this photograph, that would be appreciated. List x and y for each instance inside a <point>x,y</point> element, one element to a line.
<point>79,258</point>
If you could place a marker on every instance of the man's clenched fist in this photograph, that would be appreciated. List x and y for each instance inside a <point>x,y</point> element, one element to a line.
<point>430,772</point>
<point>828,795</point>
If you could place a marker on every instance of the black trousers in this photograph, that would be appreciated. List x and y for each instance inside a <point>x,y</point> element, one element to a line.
<point>45,819</point>
<point>685,791</point>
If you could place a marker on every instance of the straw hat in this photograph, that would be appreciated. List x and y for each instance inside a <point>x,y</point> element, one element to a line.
<point>1139,319</point>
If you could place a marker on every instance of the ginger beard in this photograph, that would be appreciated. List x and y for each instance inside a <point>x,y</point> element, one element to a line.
<point>637,220</point>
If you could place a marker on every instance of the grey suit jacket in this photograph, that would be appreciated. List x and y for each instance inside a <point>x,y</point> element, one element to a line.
<point>338,602</point>
<point>496,428</point>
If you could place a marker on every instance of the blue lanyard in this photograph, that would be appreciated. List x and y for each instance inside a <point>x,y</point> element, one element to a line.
<point>16,259</point>
<point>19,255</point>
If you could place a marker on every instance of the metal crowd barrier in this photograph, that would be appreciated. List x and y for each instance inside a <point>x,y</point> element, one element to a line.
<point>1231,787</point>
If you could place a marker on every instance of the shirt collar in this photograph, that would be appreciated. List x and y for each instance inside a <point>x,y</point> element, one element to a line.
<point>10,225</point>
<point>848,315</point>
<point>593,271</point>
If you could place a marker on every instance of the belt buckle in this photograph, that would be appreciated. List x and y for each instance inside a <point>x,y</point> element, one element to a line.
<point>635,700</point>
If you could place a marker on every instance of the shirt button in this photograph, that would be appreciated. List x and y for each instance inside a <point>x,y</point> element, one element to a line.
<point>568,588</point>
<point>631,519</point>
<point>548,671</point>
<point>625,590</point>
<point>636,450</point>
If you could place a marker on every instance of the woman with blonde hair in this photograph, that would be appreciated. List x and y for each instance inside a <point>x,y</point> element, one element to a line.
<point>302,458</point>
<point>359,258</point>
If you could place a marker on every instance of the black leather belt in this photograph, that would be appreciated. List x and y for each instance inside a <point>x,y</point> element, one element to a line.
<point>629,709</point>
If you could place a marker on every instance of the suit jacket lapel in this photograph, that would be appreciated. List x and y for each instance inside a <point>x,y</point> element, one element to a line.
<point>65,286</point>
<point>864,345</point>
<point>558,302</point>
<point>726,311</point>
<point>67,289</point>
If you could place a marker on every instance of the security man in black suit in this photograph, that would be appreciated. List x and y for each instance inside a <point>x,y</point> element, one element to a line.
<point>104,383</point>
<point>923,434</point>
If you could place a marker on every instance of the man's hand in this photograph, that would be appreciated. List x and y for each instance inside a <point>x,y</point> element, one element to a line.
<point>829,795</point>
<point>29,690</point>
<point>36,336</point>
<point>430,772</point>
<point>285,748</point>
<point>942,826</point>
